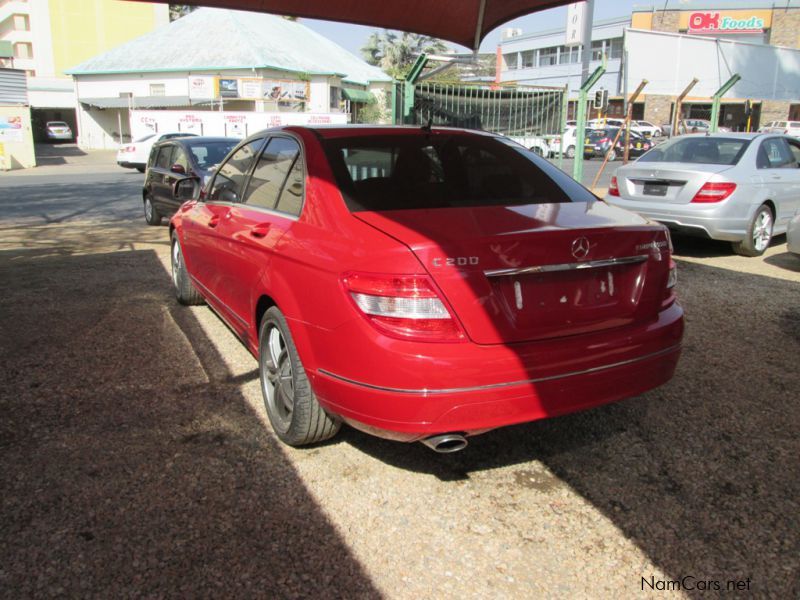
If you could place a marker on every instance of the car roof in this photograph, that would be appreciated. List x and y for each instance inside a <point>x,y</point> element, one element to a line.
<point>196,140</point>
<point>345,131</point>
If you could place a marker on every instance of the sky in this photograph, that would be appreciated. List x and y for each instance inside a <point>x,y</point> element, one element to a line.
<point>353,37</point>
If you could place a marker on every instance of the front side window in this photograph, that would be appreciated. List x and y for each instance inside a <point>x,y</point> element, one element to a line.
<point>179,158</point>
<point>269,179</point>
<point>230,177</point>
<point>378,173</point>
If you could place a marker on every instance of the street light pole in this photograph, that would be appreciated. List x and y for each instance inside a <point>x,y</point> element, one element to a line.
<point>586,55</point>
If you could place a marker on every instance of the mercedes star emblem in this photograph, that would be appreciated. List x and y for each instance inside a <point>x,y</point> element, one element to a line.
<point>580,248</point>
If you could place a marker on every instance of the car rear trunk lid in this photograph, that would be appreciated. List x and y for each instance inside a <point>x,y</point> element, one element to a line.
<point>671,183</point>
<point>521,273</point>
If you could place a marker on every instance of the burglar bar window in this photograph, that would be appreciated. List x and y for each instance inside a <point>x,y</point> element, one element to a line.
<point>157,89</point>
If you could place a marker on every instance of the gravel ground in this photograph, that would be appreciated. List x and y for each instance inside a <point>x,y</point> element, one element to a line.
<point>135,458</point>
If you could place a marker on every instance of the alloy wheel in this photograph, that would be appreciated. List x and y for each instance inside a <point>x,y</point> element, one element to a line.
<point>762,230</point>
<point>278,380</point>
<point>148,209</point>
<point>177,264</point>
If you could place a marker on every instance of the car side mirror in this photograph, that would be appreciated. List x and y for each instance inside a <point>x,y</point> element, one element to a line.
<point>185,189</point>
<point>229,195</point>
<point>178,168</point>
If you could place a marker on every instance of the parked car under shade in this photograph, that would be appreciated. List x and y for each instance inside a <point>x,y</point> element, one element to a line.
<point>739,187</point>
<point>58,131</point>
<point>425,284</point>
<point>188,159</point>
<point>135,154</point>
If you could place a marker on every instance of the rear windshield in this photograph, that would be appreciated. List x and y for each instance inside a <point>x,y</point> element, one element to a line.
<point>56,124</point>
<point>211,153</point>
<point>698,150</point>
<point>440,170</point>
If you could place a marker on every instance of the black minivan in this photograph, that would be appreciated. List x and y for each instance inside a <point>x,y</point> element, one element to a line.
<point>175,160</point>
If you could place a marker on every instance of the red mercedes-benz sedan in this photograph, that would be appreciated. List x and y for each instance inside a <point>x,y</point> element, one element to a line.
<point>425,284</point>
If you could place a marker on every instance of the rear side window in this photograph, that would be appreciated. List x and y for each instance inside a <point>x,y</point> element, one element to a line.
<point>269,179</point>
<point>699,150</point>
<point>441,170</point>
<point>164,157</point>
<point>229,180</point>
<point>774,154</point>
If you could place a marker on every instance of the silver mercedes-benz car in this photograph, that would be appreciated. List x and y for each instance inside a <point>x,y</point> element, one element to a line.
<point>739,187</point>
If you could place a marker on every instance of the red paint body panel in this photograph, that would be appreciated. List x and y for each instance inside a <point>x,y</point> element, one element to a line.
<point>537,345</point>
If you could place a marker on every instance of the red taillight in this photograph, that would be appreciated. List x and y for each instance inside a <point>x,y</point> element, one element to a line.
<point>403,306</point>
<point>613,187</point>
<point>603,141</point>
<point>714,192</point>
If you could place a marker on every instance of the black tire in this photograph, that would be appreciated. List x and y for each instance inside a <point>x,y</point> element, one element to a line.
<point>292,408</point>
<point>759,233</point>
<point>151,214</point>
<point>185,291</point>
<point>140,169</point>
<point>571,152</point>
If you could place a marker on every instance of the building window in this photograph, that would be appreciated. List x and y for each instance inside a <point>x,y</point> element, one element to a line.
<point>335,97</point>
<point>22,23</point>
<point>614,48</point>
<point>157,89</point>
<point>528,59</point>
<point>569,55</point>
<point>548,56</point>
<point>598,49</point>
<point>511,60</point>
<point>23,50</point>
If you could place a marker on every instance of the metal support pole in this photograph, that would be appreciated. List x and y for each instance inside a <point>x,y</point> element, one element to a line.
<point>586,55</point>
<point>563,125</point>
<point>676,119</point>
<point>580,126</point>
<point>628,116</point>
<point>717,97</point>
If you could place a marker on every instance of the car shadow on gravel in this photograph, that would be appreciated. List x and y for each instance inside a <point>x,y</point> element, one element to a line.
<point>130,462</point>
<point>785,260</point>
<point>703,473</point>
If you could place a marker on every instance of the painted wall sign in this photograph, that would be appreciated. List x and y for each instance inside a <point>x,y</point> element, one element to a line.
<point>717,22</point>
<point>202,88</point>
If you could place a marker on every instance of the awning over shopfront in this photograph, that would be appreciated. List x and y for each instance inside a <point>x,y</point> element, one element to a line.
<point>362,96</point>
<point>141,102</point>
<point>464,22</point>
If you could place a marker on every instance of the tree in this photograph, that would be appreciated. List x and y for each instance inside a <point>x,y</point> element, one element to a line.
<point>176,11</point>
<point>395,52</point>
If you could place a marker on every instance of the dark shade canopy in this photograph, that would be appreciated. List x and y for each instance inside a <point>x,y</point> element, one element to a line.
<point>464,22</point>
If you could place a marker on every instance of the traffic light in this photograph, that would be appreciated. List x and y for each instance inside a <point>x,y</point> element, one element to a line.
<point>600,99</point>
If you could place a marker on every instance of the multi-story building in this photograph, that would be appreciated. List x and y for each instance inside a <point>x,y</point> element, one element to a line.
<point>49,36</point>
<point>670,44</point>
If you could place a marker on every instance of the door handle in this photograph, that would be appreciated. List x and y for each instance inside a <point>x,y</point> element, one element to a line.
<point>213,221</point>
<point>775,176</point>
<point>260,230</point>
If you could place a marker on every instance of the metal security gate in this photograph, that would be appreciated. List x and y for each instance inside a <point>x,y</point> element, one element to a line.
<point>511,111</point>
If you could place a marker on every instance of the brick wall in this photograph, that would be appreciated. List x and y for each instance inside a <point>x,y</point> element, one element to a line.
<point>774,110</point>
<point>785,29</point>
<point>657,109</point>
<point>666,20</point>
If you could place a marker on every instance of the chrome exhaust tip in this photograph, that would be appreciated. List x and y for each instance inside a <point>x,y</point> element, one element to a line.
<point>446,443</point>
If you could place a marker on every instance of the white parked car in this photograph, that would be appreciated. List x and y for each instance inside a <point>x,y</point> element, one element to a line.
<point>533,142</point>
<point>566,143</point>
<point>58,131</point>
<point>135,154</point>
<point>646,128</point>
<point>739,187</point>
<point>787,127</point>
<point>603,123</point>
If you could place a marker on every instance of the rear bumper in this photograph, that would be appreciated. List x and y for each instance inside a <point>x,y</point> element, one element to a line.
<point>130,165</point>
<point>526,392</point>
<point>59,136</point>
<point>724,221</point>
